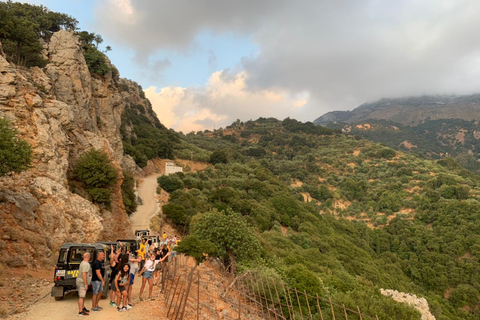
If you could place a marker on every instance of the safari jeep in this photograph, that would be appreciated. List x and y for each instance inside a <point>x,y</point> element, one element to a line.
<point>66,270</point>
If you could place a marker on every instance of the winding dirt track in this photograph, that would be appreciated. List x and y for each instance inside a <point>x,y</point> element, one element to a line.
<point>47,308</point>
<point>146,191</point>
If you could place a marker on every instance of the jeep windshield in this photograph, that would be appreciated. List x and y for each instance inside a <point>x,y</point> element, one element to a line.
<point>76,254</point>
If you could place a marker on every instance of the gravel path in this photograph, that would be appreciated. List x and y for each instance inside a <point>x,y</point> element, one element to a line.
<point>147,192</point>
<point>47,308</point>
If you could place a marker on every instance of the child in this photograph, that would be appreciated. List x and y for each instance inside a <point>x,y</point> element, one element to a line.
<point>122,281</point>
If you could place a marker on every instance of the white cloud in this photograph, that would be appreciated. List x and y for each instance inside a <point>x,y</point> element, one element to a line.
<point>343,53</point>
<point>224,99</point>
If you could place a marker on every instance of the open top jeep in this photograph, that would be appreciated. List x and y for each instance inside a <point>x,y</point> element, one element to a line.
<point>68,263</point>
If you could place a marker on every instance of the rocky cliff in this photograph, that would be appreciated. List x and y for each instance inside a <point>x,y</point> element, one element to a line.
<point>62,110</point>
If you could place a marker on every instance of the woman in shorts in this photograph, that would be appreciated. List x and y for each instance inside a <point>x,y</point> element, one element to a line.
<point>134,266</point>
<point>121,285</point>
<point>147,274</point>
<point>115,256</point>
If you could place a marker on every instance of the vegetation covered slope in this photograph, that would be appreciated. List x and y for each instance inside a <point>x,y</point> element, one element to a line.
<point>341,217</point>
<point>432,139</point>
<point>410,110</point>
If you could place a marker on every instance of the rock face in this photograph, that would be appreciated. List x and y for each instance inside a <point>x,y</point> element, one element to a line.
<point>420,304</point>
<point>62,110</point>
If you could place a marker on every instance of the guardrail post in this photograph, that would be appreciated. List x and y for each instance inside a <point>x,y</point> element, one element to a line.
<point>345,311</point>
<point>279,301</point>
<point>359,313</point>
<point>319,308</point>
<point>331,306</point>
<point>298,300</point>
<point>308,304</point>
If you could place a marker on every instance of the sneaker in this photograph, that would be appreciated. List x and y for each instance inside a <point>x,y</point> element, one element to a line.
<point>141,299</point>
<point>119,309</point>
<point>125,309</point>
<point>128,307</point>
<point>95,309</point>
<point>82,314</point>
<point>99,308</point>
<point>85,310</point>
<point>151,298</point>
<point>113,304</point>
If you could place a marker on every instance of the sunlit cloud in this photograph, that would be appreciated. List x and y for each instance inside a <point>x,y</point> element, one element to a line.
<point>221,101</point>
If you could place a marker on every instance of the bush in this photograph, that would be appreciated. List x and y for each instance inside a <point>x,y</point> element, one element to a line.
<point>229,233</point>
<point>95,59</point>
<point>219,156</point>
<point>170,183</point>
<point>177,214</point>
<point>128,193</point>
<point>94,171</point>
<point>15,154</point>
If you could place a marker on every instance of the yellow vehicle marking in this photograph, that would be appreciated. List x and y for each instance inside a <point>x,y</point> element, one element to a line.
<point>73,273</point>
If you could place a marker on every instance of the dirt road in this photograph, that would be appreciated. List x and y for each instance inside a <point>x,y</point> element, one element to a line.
<point>47,308</point>
<point>150,207</point>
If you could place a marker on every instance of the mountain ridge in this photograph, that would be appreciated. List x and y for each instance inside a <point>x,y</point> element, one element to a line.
<point>410,110</point>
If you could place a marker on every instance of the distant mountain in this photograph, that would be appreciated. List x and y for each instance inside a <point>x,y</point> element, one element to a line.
<point>432,126</point>
<point>410,111</point>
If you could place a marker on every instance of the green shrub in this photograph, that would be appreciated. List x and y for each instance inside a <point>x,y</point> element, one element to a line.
<point>15,153</point>
<point>94,170</point>
<point>128,193</point>
<point>170,183</point>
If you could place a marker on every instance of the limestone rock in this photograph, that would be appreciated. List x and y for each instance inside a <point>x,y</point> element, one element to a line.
<point>420,304</point>
<point>62,111</point>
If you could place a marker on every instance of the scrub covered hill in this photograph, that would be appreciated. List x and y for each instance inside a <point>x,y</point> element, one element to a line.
<point>336,216</point>
<point>432,139</point>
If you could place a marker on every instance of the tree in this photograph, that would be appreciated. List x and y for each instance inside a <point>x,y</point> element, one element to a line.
<point>128,193</point>
<point>231,235</point>
<point>219,156</point>
<point>97,174</point>
<point>170,183</point>
<point>95,59</point>
<point>23,25</point>
<point>197,248</point>
<point>15,153</point>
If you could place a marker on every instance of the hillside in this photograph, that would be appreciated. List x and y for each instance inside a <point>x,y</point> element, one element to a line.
<point>337,216</point>
<point>432,127</point>
<point>432,139</point>
<point>410,111</point>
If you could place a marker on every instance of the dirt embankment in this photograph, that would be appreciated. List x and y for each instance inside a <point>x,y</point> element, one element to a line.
<point>157,166</point>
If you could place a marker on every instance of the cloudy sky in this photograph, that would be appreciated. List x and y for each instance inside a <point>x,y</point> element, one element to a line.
<point>206,63</point>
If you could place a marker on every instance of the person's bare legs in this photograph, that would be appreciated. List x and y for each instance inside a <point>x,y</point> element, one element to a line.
<point>125,298</point>
<point>80,304</point>
<point>119,298</point>
<point>113,294</point>
<point>94,299</point>
<point>99,295</point>
<point>150,288</point>
<point>129,293</point>
<point>144,281</point>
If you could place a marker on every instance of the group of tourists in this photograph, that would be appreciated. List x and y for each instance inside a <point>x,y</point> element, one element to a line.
<point>149,261</point>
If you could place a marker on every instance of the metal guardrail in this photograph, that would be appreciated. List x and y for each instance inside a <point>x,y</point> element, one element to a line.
<point>191,294</point>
